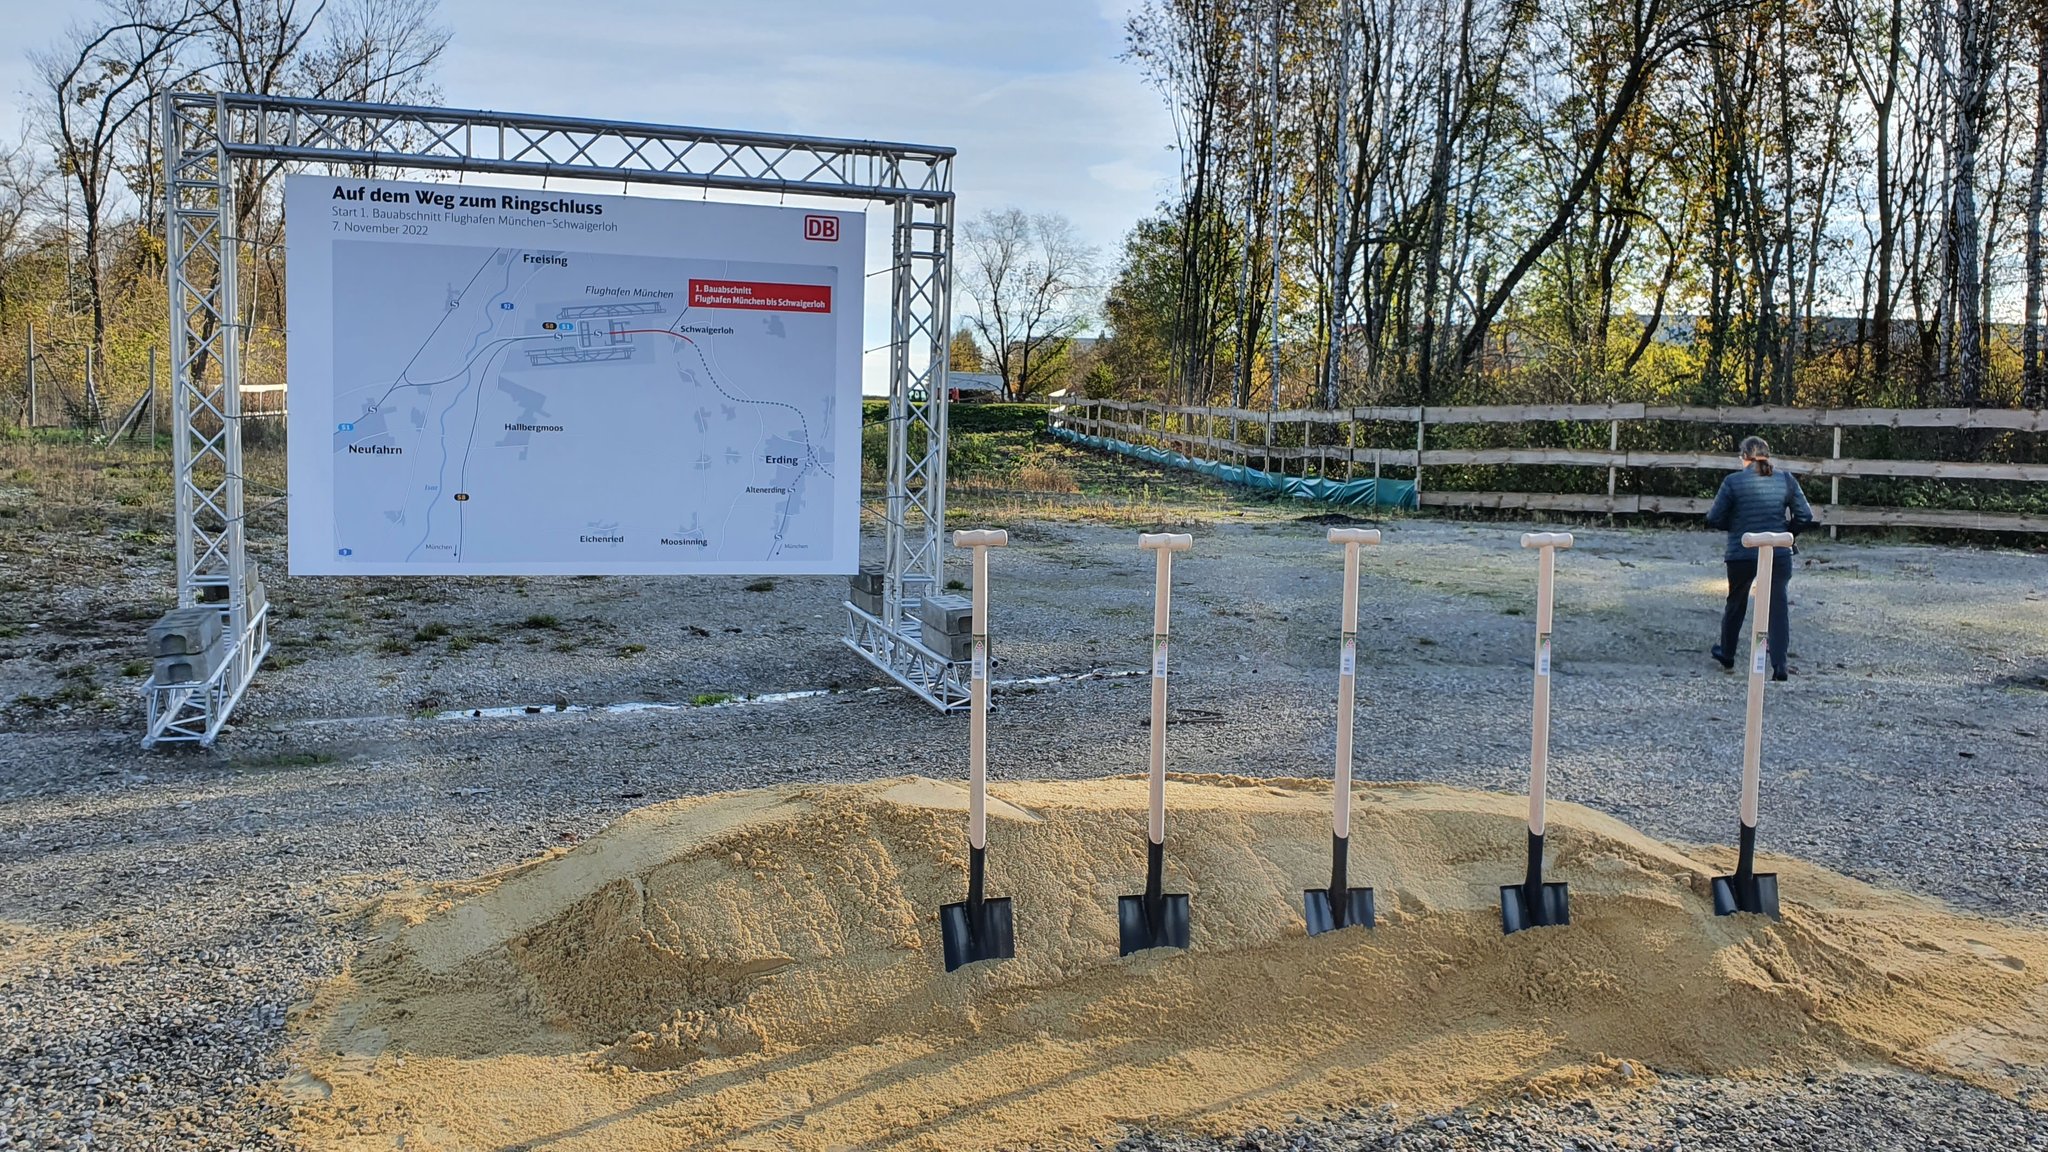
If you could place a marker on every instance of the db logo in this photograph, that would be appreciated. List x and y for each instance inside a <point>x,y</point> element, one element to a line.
<point>821,228</point>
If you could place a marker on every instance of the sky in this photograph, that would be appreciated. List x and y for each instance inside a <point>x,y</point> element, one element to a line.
<point>1044,115</point>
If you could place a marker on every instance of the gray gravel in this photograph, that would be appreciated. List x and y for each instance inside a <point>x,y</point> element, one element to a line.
<point>160,913</point>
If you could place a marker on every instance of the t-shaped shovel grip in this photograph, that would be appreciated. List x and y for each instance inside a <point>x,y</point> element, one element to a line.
<point>1347,677</point>
<point>1766,545</point>
<point>1546,544</point>
<point>980,540</point>
<point>1162,545</point>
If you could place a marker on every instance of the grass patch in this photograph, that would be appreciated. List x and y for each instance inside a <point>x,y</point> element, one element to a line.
<point>760,586</point>
<point>631,650</point>
<point>707,699</point>
<point>395,646</point>
<point>541,620</point>
<point>431,632</point>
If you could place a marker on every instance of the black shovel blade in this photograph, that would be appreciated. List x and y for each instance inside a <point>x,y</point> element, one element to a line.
<point>1551,908</point>
<point>1137,931</point>
<point>1756,892</point>
<point>1321,912</point>
<point>968,942</point>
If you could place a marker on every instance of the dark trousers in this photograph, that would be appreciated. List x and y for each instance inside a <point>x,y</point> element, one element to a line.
<point>1741,574</point>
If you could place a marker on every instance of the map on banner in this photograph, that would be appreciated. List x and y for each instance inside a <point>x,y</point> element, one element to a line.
<point>496,381</point>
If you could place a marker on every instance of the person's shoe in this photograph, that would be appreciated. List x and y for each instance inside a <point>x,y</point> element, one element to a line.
<point>1726,661</point>
<point>1781,674</point>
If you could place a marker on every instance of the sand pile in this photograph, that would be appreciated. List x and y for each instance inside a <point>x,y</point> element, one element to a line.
<point>763,970</point>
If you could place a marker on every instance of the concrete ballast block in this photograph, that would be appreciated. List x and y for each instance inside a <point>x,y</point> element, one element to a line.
<point>193,668</point>
<point>185,632</point>
<point>947,613</point>
<point>954,646</point>
<point>868,580</point>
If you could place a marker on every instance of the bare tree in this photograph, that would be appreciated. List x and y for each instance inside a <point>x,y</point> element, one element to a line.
<point>1652,31</point>
<point>1031,279</point>
<point>97,82</point>
<point>23,185</point>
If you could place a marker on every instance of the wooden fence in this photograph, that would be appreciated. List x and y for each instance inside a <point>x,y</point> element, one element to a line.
<point>1258,438</point>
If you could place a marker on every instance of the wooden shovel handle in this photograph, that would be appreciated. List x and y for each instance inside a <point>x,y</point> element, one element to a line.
<point>1162,545</point>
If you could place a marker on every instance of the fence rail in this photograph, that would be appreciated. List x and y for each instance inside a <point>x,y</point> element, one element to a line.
<point>1243,436</point>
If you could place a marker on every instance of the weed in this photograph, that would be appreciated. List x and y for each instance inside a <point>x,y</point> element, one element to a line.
<point>431,632</point>
<point>761,586</point>
<point>459,644</point>
<point>541,620</point>
<point>631,649</point>
<point>955,586</point>
<point>78,687</point>
<point>707,699</point>
<point>394,646</point>
<point>135,668</point>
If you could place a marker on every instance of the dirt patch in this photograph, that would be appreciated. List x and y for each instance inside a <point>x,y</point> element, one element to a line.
<point>761,970</point>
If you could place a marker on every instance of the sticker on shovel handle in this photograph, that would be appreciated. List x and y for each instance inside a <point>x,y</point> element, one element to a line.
<point>980,671</point>
<point>1756,659</point>
<point>1347,663</point>
<point>1543,656</point>
<point>1159,657</point>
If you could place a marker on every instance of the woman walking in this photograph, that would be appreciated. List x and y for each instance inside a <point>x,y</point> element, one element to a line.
<point>1757,499</point>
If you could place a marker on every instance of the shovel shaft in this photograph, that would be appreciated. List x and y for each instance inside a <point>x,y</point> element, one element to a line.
<point>1347,699</point>
<point>1162,596</point>
<point>980,541</point>
<point>1347,681</point>
<point>1539,725</point>
<point>1759,653</point>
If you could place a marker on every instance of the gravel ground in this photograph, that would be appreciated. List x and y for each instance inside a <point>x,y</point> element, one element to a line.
<point>160,913</point>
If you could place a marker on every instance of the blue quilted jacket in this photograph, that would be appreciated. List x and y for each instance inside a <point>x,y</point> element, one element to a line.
<point>1750,502</point>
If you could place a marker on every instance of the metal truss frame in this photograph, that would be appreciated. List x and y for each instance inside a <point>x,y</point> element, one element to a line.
<point>211,140</point>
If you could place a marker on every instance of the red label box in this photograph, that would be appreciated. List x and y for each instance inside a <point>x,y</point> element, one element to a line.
<point>755,296</point>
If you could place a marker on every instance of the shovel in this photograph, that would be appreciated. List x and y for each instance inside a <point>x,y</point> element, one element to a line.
<point>1749,890</point>
<point>978,928</point>
<point>1155,919</point>
<point>1533,903</point>
<point>1340,905</point>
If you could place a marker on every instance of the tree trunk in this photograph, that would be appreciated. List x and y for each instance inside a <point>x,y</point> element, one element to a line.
<point>1972,91</point>
<point>2034,388</point>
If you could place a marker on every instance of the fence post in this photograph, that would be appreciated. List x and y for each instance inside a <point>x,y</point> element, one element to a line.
<point>1350,448</point>
<point>1835,489</point>
<point>31,376</point>
<point>1421,422</point>
<point>152,397</point>
<point>1266,461</point>
<point>1613,445</point>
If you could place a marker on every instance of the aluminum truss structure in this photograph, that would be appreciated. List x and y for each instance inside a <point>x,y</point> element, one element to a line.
<point>216,143</point>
